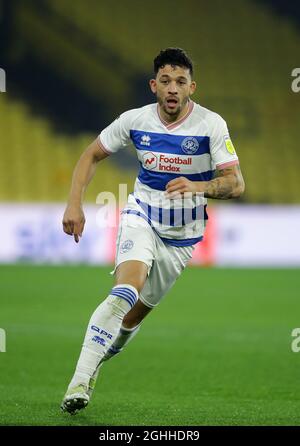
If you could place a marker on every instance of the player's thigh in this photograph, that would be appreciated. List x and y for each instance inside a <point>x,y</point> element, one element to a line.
<point>132,272</point>
<point>135,251</point>
<point>167,267</point>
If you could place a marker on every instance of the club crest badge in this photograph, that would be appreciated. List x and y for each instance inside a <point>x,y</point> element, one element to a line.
<point>190,145</point>
<point>126,246</point>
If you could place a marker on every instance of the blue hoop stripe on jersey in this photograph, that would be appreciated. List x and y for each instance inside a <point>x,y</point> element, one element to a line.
<point>124,293</point>
<point>169,241</point>
<point>159,180</point>
<point>139,214</point>
<point>174,217</point>
<point>167,143</point>
<point>183,242</point>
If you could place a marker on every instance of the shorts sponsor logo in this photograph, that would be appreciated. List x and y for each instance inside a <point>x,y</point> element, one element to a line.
<point>126,246</point>
<point>229,145</point>
<point>190,145</point>
<point>149,160</point>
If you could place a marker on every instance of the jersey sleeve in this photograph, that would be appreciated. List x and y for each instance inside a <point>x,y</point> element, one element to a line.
<point>117,135</point>
<point>222,150</point>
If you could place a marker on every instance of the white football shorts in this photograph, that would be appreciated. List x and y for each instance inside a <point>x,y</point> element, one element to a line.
<point>136,240</point>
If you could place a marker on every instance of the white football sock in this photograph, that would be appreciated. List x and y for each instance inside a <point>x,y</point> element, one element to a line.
<point>102,331</point>
<point>124,337</point>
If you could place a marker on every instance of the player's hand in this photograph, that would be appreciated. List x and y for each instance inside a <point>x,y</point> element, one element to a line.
<point>73,221</point>
<point>177,187</point>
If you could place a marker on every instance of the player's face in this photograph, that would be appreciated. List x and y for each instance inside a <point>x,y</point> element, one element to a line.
<point>173,86</point>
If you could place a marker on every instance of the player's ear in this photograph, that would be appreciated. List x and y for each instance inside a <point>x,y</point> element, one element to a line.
<point>193,87</point>
<point>152,84</point>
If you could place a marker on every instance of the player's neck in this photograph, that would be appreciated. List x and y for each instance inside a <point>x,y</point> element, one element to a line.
<point>170,119</point>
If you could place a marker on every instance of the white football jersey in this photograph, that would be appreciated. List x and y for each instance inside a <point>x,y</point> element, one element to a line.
<point>192,147</point>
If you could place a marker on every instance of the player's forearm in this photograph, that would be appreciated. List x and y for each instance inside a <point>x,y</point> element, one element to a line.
<point>82,175</point>
<point>223,188</point>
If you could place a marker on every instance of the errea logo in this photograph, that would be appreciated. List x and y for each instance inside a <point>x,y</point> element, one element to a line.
<point>149,160</point>
<point>145,140</point>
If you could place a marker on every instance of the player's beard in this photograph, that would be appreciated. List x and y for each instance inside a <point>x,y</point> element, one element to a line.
<point>172,113</point>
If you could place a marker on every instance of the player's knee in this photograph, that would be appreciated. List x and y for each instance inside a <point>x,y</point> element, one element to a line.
<point>132,272</point>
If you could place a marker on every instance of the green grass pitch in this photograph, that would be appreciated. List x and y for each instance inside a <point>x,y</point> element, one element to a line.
<point>217,351</point>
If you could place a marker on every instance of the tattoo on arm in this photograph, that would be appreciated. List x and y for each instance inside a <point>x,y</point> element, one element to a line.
<point>228,183</point>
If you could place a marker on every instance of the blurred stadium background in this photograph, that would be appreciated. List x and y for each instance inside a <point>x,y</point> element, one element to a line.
<point>71,68</point>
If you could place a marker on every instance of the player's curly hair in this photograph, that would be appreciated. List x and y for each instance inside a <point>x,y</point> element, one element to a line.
<point>173,56</point>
